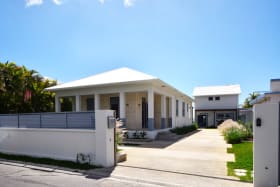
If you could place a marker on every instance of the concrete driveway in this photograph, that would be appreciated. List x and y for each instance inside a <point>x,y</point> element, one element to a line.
<point>203,153</point>
<point>197,160</point>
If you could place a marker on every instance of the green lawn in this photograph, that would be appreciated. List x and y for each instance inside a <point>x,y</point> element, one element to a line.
<point>47,161</point>
<point>243,159</point>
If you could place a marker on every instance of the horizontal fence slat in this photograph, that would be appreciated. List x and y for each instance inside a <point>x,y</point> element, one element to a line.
<point>80,120</point>
<point>53,120</point>
<point>29,120</point>
<point>9,120</point>
<point>71,120</point>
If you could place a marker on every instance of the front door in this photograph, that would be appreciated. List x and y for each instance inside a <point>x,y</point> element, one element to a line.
<point>202,120</point>
<point>144,113</point>
<point>115,105</point>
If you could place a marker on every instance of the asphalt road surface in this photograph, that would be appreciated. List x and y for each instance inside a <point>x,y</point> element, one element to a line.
<point>18,176</point>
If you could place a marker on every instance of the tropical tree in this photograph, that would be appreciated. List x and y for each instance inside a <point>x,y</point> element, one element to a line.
<point>22,90</point>
<point>252,96</point>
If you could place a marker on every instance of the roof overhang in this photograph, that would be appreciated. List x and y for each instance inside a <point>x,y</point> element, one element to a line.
<point>264,97</point>
<point>154,82</point>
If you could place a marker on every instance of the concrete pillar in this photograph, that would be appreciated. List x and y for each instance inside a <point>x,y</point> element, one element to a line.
<point>173,110</point>
<point>57,104</point>
<point>266,144</point>
<point>151,113</point>
<point>78,103</point>
<point>105,145</point>
<point>122,107</point>
<point>163,111</point>
<point>96,102</point>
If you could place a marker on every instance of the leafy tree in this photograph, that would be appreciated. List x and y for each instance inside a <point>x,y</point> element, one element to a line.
<point>251,97</point>
<point>22,90</point>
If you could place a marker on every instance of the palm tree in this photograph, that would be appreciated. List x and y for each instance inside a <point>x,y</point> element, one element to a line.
<point>252,96</point>
<point>22,90</point>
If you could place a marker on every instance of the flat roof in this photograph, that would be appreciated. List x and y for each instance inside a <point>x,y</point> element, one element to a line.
<point>217,90</point>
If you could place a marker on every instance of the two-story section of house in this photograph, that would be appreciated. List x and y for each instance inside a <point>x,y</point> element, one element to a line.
<point>214,104</point>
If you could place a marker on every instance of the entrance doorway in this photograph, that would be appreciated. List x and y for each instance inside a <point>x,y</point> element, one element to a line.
<point>144,113</point>
<point>115,105</point>
<point>202,120</point>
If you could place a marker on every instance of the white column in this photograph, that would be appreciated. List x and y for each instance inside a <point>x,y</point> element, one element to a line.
<point>57,104</point>
<point>173,106</point>
<point>151,104</point>
<point>266,144</point>
<point>96,102</point>
<point>105,152</point>
<point>163,112</point>
<point>122,106</point>
<point>78,103</point>
<point>151,109</point>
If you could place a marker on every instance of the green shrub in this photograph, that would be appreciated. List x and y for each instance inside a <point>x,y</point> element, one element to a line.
<point>184,129</point>
<point>235,132</point>
<point>234,135</point>
<point>139,134</point>
<point>195,125</point>
<point>118,138</point>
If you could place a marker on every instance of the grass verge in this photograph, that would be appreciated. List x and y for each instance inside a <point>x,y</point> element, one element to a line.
<point>243,153</point>
<point>47,161</point>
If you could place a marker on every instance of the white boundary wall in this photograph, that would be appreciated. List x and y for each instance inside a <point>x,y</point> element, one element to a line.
<point>63,144</point>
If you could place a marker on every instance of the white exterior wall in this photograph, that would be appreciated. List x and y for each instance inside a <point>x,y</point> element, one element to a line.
<point>225,102</point>
<point>275,85</point>
<point>266,145</point>
<point>63,144</point>
<point>181,120</point>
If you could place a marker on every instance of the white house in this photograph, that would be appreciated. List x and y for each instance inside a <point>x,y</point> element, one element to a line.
<point>141,101</point>
<point>214,104</point>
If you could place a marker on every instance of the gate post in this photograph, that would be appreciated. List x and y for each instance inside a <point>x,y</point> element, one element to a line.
<point>266,144</point>
<point>266,129</point>
<point>105,143</point>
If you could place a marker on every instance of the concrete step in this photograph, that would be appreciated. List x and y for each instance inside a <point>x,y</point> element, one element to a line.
<point>168,136</point>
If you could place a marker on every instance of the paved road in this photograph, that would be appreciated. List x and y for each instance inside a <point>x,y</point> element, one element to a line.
<point>202,153</point>
<point>120,176</point>
<point>13,176</point>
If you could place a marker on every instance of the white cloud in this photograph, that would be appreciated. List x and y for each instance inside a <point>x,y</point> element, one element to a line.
<point>57,2</point>
<point>29,3</point>
<point>128,3</point>
<point>101,1</point>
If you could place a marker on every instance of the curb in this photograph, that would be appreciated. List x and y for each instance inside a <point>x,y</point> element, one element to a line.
<point>42,167</point>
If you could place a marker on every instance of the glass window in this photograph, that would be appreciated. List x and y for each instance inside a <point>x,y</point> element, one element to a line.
<point>90,104</point>
<point>217,98</point>
<point>210,98</point>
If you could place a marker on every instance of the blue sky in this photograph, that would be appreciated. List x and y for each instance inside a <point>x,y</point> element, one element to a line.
<point>186,43</point>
